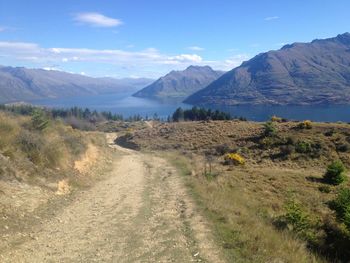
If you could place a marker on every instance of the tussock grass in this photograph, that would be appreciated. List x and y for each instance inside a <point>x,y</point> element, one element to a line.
<point>56,147</point>
<point>242,205</point>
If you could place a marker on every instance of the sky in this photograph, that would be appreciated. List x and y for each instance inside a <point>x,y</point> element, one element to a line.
<point>148,38</point>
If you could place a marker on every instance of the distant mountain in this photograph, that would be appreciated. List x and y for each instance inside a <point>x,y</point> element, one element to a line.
<point>22,84</point>
<point>177,85</point>
<point>300,74</point>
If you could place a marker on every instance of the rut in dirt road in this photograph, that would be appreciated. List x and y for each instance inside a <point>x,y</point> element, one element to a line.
<point>141,213</point>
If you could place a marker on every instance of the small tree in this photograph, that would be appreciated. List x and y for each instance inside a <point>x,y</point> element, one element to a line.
<point>178,115</point>
<point>335,173</point>
<point>270,129</point>
<point>39,120</point>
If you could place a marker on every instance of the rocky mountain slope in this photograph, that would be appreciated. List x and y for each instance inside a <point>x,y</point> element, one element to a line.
<point>300,74</point>
<point>18,83</point>
<point>177,85</point>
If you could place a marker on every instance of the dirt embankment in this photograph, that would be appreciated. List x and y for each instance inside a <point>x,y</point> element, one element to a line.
<point>141,212</point>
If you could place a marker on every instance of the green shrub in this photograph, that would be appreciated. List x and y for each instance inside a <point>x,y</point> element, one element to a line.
<point>324,189</point>
<point>305,125</point>
<point>40,120</point>
<point>270,129</point>
<point>329,133</point>
<point>303,147</point>
<point>335,173</point>
<point>267,142</point>
<point>308,148</point>
<point>289,141</point>
<point>296,217</point>
<point>347,218</point>
<point>344,147</point>
<point>297,220</point>
<point>341,205</point>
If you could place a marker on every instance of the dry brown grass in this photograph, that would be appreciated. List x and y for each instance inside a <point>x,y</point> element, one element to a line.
<point>38,166</point>
<point>244,203</point>
<point>247,139</point>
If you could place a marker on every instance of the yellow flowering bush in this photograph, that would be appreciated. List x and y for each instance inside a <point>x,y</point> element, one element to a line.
<point>274,118</point>
<point>234,158</point>
<point>307,124</point>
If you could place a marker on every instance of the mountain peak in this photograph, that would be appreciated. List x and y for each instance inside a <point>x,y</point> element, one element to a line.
<point>194,67</point>
<point>344,38</point>
<point>177,85</point>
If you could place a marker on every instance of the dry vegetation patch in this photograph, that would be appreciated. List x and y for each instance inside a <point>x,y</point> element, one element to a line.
<point>274,206</point>
<point>38,158</point>
<point>291,147</point>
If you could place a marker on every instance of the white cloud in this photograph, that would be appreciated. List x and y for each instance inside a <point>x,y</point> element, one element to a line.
<point>50,68</point>
<point>191,58</point>
<point>269,18</point>
<point>195,48</point>
<point>97,20</point>
<point>19,46</point>
<point>231,62</point>
<point>149,62</point>
<point>281,44</point>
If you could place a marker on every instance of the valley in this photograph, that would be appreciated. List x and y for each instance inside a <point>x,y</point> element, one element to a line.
<point>174,131</point>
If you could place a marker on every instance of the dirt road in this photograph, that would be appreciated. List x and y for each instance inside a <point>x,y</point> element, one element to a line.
<point>140,213</point>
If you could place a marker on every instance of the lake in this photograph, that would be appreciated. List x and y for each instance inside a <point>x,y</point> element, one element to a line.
<point>127,105</point>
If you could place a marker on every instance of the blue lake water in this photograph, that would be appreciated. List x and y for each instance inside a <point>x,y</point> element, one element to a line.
<point>123,104</point>
<point>128,106</point>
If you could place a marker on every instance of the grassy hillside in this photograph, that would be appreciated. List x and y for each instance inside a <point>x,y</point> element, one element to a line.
<point>274,206</point>
<point>42,159</point>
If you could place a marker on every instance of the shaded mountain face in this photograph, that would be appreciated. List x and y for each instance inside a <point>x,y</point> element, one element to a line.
<point>299,74</point>
<point>22,84</point>
<point>177,85</point>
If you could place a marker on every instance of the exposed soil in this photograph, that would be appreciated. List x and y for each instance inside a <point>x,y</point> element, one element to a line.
<point>141,212</point>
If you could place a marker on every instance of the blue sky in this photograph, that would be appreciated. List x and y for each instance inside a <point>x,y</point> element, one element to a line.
<point>148,38</point>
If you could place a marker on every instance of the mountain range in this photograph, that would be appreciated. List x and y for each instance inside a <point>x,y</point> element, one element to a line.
<point>178,85</point>
<point>299,74</point>
<point>23,84</point>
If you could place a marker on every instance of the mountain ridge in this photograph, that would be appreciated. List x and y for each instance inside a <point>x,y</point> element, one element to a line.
<point>177,85</point>
<point>23,84</point>
<point>297,74</point>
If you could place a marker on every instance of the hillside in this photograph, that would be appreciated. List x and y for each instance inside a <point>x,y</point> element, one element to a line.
<point>177,85</point>
<point>298,74</point>
<point>273,204</point>
<point>18,83</point>
<point>78,197</point>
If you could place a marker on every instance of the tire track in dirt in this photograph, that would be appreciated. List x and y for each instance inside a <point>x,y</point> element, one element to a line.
<point>140,213</point>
